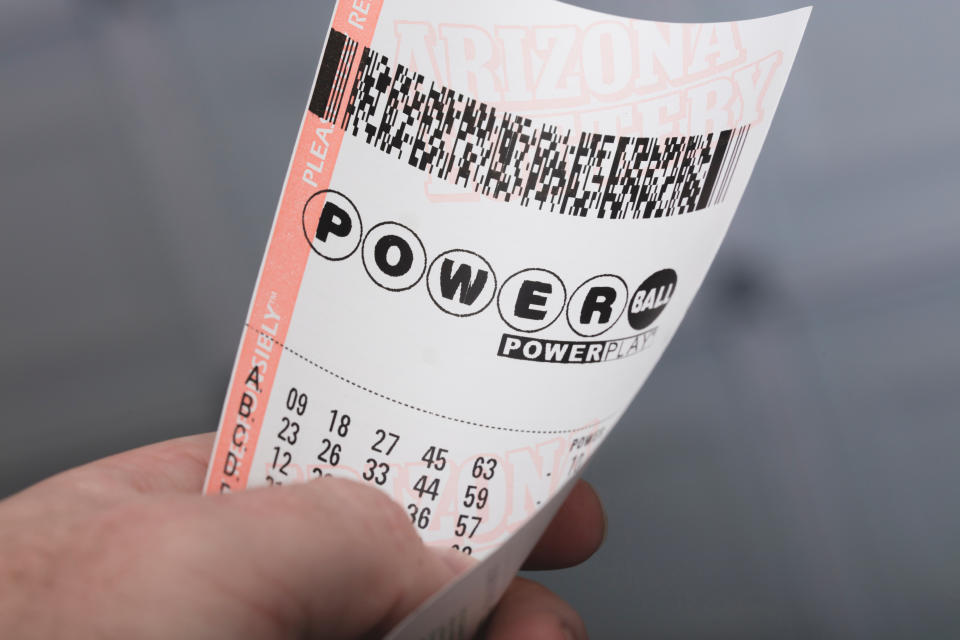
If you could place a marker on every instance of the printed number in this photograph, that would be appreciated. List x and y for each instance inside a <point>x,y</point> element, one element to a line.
<point>476,496</point>
<point>279,455</point>
<point>330,453</point>
<point>272,482</point>
<point>465,549</point>
<point>297,401</point>
<point>317,472</point>
<point>293,428</point>
<point>576,462</point>
<point>376,472</point>
<point>381,437</point>
<point>422,487</point>
<point>419,517</point>
<point>484,468</point>
<point>463,525</point>
<point>343,427</point>
<point>435,458</point>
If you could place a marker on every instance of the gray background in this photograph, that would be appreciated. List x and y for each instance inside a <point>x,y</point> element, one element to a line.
<point>790,471</point>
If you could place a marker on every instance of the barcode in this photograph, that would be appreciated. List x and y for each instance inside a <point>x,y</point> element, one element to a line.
<point>509,157</point>
<point>333,76</point>
<point>727,166</point>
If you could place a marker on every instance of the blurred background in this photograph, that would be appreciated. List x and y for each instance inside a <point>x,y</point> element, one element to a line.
<point>805,482</point>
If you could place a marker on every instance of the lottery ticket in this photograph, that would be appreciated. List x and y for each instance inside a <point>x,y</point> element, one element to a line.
<point>495,217</point>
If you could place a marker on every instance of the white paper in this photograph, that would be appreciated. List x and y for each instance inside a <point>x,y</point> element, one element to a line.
<point>494,220</point>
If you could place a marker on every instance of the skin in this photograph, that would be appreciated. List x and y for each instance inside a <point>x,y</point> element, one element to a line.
<point>127,548</point>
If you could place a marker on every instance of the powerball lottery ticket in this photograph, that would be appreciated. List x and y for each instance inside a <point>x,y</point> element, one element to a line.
<point>495,217</point>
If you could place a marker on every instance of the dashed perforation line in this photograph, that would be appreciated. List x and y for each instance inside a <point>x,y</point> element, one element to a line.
<point>414,407</point>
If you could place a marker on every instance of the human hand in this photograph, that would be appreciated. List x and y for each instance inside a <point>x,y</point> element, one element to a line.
<point>126,547</point>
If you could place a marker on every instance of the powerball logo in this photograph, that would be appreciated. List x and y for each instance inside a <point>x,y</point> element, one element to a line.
<point>463,283</point>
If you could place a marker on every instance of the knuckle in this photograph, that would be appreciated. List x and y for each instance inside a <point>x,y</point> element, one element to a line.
<point>122,522</point>
<point>359,509</point>
<point>378,513</point>
<point>383,523</point>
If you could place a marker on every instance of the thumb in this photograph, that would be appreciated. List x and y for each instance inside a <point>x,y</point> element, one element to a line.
<point>331,558</point>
